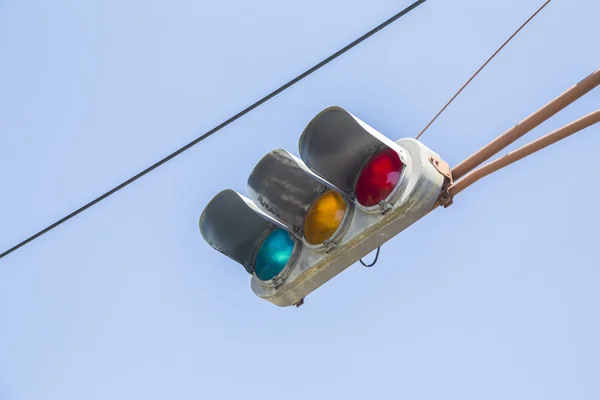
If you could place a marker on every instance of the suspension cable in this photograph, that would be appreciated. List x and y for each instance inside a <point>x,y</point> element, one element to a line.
<point>480,68</point>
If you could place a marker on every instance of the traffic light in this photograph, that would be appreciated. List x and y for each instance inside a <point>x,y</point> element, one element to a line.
<point>309,218</point>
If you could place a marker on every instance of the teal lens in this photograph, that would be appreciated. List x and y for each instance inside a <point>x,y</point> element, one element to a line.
<point>274,254</point>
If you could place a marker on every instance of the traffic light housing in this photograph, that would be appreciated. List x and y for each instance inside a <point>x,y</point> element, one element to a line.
<point>233,225</point>
<point>351,190</point>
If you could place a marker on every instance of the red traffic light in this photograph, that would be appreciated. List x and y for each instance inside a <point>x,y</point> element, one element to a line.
<point>378,178</point>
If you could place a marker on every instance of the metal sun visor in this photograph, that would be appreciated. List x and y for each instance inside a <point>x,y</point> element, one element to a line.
<point>235,227</point>
<point>285,188</point>
<point>336,145</point>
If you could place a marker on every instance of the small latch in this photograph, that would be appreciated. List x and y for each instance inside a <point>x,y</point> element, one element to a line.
<point>330,246</point>
<point>384,207</point>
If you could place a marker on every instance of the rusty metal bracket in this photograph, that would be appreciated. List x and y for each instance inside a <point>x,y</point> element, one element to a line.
<point>445,199</point>
<point>442,167</point>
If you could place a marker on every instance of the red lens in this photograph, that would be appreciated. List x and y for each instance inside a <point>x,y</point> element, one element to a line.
<point>378,178</point>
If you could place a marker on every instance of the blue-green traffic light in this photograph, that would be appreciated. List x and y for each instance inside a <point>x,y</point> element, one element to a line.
<point>274,254</point>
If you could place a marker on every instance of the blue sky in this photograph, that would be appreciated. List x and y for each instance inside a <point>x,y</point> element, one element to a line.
<point>494,298</point>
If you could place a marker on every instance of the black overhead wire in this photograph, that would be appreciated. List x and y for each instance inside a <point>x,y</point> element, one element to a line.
<point>218,127</point>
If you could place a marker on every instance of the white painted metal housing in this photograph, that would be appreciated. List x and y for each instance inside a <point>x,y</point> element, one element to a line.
<point>367,231</point>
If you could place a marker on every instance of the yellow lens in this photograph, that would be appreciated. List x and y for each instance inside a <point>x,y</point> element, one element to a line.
<point>324,217</point>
